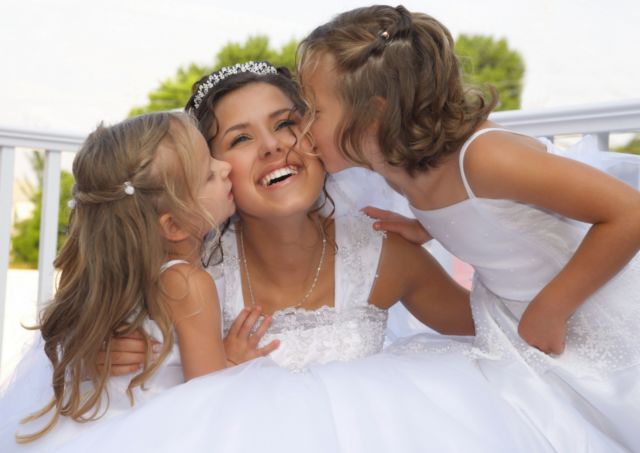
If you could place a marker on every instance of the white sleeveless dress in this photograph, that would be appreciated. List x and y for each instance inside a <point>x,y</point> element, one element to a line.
<point>515,250</point>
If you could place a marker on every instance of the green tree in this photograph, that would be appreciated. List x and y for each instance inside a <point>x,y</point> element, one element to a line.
<point>174,92</point>
<point>487,61</point>
<point>484,60</point>
<point>26,238</point>
<point>633,147</point>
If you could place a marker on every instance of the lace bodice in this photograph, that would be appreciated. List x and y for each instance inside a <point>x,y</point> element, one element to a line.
<point>349,330</point>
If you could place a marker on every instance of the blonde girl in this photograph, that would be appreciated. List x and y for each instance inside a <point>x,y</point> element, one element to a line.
<point>147,192</point>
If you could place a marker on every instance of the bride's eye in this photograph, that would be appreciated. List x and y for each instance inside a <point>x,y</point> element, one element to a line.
<point>238,139</point>
<point>285,123</point>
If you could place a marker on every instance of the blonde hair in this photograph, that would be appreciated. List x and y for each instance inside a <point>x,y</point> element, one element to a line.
<point>408,61</point>
<point>110,263</point>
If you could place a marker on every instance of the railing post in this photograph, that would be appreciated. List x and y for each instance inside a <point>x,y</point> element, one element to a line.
<point>48,224</point>
<point>7,157</point>
<point>603,141</point>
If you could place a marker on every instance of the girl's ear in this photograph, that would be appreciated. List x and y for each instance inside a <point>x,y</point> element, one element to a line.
<point>171,230</point>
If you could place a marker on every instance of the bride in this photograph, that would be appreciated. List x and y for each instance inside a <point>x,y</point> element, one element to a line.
<point>327,280</point>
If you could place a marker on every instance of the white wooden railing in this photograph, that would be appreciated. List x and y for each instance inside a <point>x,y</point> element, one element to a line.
<point>11,140</point>
<point>598,119</point>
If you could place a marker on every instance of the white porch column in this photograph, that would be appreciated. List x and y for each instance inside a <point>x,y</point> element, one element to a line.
<point>7,157</point>
<point>48,224</point>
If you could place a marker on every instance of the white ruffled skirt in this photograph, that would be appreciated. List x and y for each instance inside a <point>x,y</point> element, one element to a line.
<point>425,393</point>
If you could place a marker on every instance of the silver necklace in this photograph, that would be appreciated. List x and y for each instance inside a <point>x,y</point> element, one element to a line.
<point>315,278</point>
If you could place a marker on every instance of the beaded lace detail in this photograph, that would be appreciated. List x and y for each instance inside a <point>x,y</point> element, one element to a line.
<point>350,330</point>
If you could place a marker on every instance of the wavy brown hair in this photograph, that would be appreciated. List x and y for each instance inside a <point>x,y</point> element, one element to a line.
<point>110,263</point>
<point>408,60</point>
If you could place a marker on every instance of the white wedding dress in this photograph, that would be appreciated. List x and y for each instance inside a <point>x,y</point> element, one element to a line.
<point>330,387</point>
<point>515,250</point>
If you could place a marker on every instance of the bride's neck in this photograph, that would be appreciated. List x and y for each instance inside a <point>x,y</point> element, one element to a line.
<point>281,245</point>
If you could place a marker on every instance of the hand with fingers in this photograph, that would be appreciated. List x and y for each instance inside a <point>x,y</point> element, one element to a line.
<point>410,229</point>
<point>542,327</point>
<point>241,343</point>
<point>127,354</point>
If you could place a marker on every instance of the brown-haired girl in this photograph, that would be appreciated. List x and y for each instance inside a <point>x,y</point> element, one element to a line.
<point>553,242</point>
<point>146,193</point>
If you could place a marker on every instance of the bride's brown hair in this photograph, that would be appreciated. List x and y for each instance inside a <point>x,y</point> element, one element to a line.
<point>407,61</point>
<point>110,263</point>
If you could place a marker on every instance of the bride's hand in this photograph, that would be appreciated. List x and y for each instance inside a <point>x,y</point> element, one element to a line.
<point>410,229</point>
<point>241,344</point>
<point>127,354</point>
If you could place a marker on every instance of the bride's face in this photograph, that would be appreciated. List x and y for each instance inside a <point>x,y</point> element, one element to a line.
<point>273,171</point>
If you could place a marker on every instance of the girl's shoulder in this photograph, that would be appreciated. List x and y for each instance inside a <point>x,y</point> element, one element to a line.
<point>490,141</point>
<point>493,158</point>
<point>183,284</point>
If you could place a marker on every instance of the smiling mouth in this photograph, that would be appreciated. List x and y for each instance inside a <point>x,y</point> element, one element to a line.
<point>278,175</point>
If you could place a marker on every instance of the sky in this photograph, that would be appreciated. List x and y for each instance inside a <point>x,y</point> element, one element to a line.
<point>66,65</point>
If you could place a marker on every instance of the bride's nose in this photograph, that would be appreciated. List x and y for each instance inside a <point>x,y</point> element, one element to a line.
<point>271,145</point>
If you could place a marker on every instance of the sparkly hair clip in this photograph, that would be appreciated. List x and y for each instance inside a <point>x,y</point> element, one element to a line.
<point>128,188</point>
<point>258,68</point>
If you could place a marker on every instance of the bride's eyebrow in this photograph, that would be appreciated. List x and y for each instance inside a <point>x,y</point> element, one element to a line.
<point>235,127</point>
<point>281,111</point>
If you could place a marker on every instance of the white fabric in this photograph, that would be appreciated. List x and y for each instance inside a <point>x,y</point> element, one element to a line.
<point>515,250</point>
<point>423,394</point>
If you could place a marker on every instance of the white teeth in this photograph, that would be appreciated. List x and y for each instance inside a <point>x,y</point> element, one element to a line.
<point>279,173</point>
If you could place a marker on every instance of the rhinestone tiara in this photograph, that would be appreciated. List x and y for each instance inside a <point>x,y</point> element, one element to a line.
<point>254,67</point>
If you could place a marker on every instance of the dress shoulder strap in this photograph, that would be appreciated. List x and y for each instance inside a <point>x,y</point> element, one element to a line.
<point>172,263</point>
<point>463,151</point>
<point>356,261</point>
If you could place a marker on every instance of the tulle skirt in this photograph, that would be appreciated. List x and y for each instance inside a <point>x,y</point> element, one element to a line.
<point>425,393</point>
